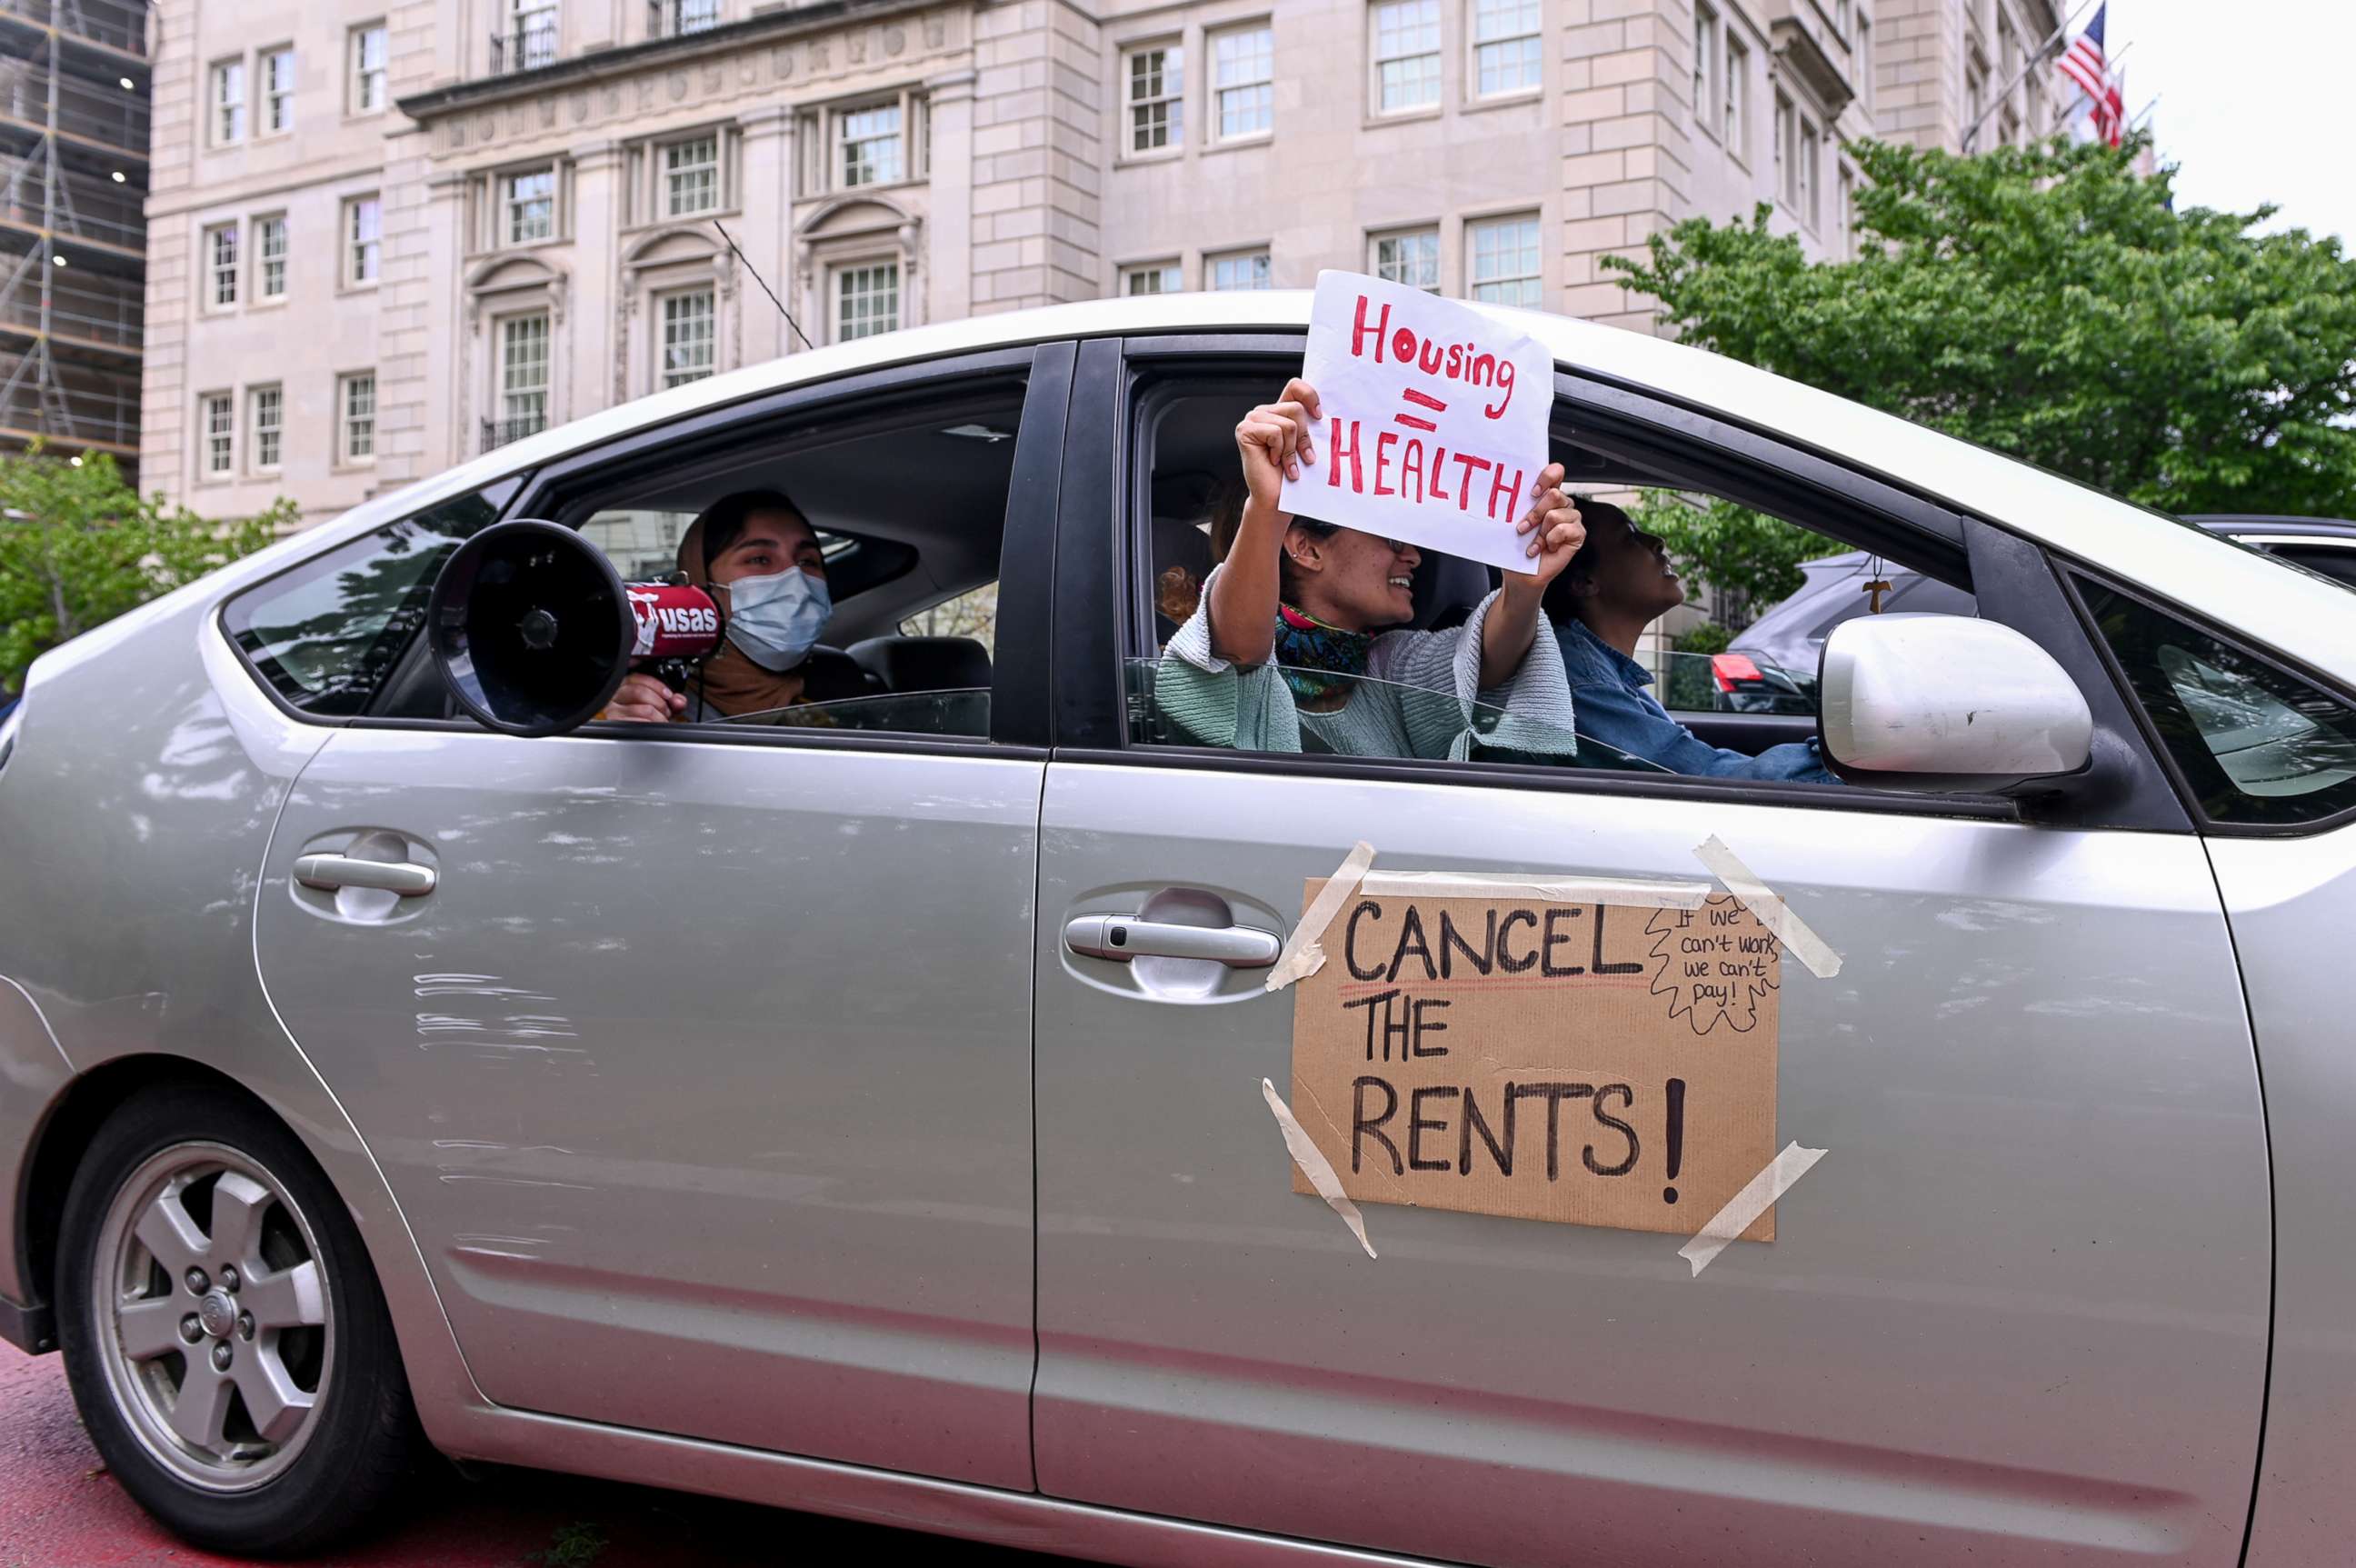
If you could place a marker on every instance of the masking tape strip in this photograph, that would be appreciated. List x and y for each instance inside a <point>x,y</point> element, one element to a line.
<point>1300,956</point>
<point>1314,1164</point>
<point>1545,889</point>
<point>1757,1197</point>
<point>1772,913</point>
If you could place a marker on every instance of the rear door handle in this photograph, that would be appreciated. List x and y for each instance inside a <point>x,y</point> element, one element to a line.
<point>330,872</point>
<point>1124,937</point>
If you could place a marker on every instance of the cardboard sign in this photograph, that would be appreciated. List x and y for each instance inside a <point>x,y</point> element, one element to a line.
<point>1591,1064</point>
<point>1435,425</point>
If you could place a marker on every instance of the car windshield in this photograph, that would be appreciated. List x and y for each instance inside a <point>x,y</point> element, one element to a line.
<point>1738,681</point>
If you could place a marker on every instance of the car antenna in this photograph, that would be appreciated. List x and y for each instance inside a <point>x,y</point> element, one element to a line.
<point>765,287</point>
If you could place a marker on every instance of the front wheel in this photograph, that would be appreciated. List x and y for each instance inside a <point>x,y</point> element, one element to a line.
<point>226,1341</point>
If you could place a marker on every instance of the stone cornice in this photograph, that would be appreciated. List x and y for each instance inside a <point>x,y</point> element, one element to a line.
<point>600,66</point>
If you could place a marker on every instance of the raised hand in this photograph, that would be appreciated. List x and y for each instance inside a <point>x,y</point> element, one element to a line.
<point>1273,440</point>
<point>1552,526</point>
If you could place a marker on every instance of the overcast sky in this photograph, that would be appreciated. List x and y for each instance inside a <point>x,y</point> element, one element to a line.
<point>2253,102</point>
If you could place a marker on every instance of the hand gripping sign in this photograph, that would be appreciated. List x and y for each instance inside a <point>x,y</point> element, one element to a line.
<point>1435,423</point>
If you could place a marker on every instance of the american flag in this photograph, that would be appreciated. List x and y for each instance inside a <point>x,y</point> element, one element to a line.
<point>2083,62</point>
<point>2088,69</point>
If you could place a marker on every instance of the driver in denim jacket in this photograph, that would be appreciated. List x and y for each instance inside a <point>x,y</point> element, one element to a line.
<point>1620,584</point>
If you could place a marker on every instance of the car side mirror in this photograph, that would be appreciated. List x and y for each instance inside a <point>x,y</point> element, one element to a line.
<point>1948,704</point>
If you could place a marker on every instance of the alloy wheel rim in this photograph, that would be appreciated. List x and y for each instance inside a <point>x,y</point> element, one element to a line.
<point>214,1326</point>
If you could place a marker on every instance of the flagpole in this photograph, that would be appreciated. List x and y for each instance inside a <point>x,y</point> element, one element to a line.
<point>2036,59</point>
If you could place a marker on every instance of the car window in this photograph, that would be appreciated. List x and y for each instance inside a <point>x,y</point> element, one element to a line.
<point>907,496</point>
<point>2337,562</point>
<point>326,634</point>
<point>956,713</point>
<point>1357,717</point>
<point>2259,746</point>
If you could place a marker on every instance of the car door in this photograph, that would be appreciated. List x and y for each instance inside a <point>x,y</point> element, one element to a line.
<point>702,1070</point>
<point>2017,1314</point>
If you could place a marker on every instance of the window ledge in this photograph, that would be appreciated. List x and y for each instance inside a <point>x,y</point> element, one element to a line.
<point>1169,154</point>
<point>645,225</point>
<point>276,302</point>
<point>1240,144</point>
<point>1475,103</point>
<point>1377,120</point>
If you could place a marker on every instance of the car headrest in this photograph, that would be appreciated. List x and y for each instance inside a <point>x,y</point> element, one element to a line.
<point>1181,542</point>
<point>831,675</point>
<point>1446,583</point>
<point>925,663</point>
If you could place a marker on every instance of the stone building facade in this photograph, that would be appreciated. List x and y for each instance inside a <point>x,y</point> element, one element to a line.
<point>449,223</point>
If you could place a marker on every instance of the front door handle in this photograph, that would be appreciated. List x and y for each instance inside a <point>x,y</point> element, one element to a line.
<point>330,872</point>
<point>1124,937</point>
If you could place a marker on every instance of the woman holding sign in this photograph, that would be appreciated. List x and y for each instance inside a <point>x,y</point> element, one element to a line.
<point>1290,633</point>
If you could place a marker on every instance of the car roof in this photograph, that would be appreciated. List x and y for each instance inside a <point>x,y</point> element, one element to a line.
<point>2305,616</point>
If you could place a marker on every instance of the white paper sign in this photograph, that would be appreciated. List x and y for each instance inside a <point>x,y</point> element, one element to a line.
<point>1435,425</point>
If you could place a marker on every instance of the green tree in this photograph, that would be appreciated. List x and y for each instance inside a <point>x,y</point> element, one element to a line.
<point>78,547</point>
<point>2052,304</point>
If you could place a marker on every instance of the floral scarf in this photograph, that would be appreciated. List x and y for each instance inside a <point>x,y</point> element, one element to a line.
<point>1316,658</point>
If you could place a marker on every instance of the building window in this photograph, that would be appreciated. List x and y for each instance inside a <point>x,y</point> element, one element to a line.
<point>1243,269</point>
<point>1407,56</point>
<point>1504,269</point>
<point>530,203</point>
<point>691,177</point>
<point>278,87</point>
<point>866,300</point>
<point>217,411</point>
<point>1243,70</point>
<point>1841,9</point>
<point>1785,172</point>
<point>1705,64</point>
<point>1159,277</point>
<point>673,17</point>
<point>1412,258</point>
<point>268,406</point>
<point>363,239</point>
<point>1734,109</point>
<point>871,144</point>
<point>356,397</point>
<point>531,41</point>
<point>1505,45</point>
<point>687,336</point>
<point>1811,151</point>
<point>1157,98</point>
<point>1846,216</point>
<point>370,89</point>
<point>220,263</point>
<point>523,376</point>
<point>1974,95</point>
<point>228,102</point>
<point>1864,64</point>
<point>2007,46</point>
<point>269,256</point>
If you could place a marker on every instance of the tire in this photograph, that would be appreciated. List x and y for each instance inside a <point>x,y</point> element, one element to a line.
<point>266,1413</point>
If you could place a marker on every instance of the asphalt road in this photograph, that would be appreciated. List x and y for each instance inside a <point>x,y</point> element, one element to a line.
<point>59,1508</point>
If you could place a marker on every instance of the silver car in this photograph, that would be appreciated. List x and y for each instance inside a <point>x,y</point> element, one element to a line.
<point>722,1106</point>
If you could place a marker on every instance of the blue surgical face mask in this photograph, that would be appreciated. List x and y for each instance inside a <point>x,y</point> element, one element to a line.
<point>776,619</point>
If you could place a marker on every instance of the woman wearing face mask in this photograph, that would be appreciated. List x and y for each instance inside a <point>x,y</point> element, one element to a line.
<point>762,562</point>
<point>1290,633</point>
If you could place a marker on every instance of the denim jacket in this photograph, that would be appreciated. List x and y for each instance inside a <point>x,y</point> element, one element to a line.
<point>1609,692</point>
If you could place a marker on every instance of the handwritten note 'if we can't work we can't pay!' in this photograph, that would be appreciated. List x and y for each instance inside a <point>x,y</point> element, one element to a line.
<point>1435,420</point>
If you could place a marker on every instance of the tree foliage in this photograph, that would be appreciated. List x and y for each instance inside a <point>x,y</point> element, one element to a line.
<point>1747,559</point>
<point>2052,304</point>
<point>78,547</point>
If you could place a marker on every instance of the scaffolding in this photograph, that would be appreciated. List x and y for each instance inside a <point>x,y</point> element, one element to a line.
<point>74,94</point>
